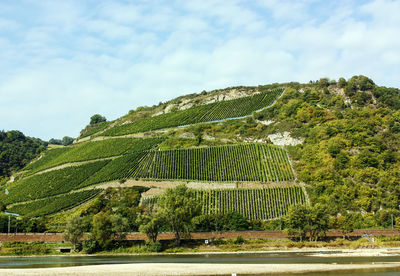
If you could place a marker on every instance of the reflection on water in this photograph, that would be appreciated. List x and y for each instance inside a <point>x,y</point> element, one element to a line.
<point>256,258</point>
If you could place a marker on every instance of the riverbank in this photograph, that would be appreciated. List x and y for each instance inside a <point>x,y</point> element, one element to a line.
<point>156,269</point>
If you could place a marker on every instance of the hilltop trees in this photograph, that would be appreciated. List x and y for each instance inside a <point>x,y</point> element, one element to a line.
<point>97,118</point>
<point>17,150</point>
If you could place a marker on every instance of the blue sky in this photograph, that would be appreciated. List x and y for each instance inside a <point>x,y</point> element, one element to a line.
<point>63,61</point>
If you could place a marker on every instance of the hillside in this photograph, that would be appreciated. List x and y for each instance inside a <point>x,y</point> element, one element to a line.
<point>16,151</point>
<point>253,150</point>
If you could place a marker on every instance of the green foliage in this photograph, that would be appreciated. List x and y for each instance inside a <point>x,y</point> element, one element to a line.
<point>96,119</point>
<point>248,162</point>
<point>266,203</point>
<point>66,140</point>
<point>74,230</point>
<point>302,220</point>
<point>17,150</point>
<point>178,207</point>
<point>92,150</point>
<point>151,224</point>
<point>58,182</point>
<point>200,113</point>
<point>53,205</point>
<point>93,129</point>
<point>239,240</point>
<point>25,248</point>
<point>108,227</point>
<point>119,168</point>
<point>119,201</point>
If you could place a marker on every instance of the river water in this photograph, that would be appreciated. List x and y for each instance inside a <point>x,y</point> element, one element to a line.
<point>245,258</point>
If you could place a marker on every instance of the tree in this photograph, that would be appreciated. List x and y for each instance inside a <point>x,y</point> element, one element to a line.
<point>150,224</point>
<point>318,221</point>
<point>67,140</point>
<point>303,219</point>
<point>346,223</point>
<point>102,229</point>
<point>54,141</point>
<point>178,207</point>
<point>74,230</point>
<point>107,227</point>
<point>342,83</point>
<point>296,221</point>
<point>97,118</point>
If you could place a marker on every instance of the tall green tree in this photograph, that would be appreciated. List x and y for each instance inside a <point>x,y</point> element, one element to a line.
<point>74,230</point>
<point>303,220</point>
<point>97,118</point>
<point>178,207</point>
<point>151,224</point>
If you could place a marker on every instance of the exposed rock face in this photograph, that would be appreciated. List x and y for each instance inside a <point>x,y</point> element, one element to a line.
<point>284,139</point>
<point>226,95</point>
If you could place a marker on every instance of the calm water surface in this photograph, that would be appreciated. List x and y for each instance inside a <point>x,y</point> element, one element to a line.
<point>257,258</point>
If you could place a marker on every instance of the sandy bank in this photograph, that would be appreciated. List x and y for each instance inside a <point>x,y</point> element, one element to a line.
<point>192,269</point>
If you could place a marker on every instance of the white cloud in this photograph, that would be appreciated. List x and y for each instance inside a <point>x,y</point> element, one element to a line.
<point>69,60</point>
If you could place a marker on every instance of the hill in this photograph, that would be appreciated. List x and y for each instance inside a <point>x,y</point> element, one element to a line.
<point>16,151</point>
<point>253,150</point>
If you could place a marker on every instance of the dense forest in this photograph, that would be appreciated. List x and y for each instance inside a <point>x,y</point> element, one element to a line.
<point>17,150</point>
<point>350,156</point>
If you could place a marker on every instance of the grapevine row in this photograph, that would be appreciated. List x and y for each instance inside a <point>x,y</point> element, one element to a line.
<point>50,183</point>
<point>53,205</point>
<point>92,150</point>
<point>262,203</point>
<point>200,113</point>
<point>244,162</point>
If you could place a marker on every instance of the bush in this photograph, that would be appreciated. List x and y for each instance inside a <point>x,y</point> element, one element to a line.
<point>153,246</point>
<point>90,246</point>
<point>239,240</point>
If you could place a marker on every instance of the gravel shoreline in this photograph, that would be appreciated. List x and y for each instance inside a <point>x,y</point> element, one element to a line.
<point>157,269</point>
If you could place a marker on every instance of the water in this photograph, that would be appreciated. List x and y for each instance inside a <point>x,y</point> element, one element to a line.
<point>247,258</point>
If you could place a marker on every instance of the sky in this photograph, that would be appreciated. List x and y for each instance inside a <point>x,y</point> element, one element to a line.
<point>63,61</point>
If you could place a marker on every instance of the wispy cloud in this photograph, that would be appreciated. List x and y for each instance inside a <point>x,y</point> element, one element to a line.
<point>61,62</point>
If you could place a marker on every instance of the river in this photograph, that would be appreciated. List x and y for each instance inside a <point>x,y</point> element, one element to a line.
<point>244,258</point>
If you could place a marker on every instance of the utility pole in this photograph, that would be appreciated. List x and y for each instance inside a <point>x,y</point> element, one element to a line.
<point>392,221</point>
<point>9,220</point>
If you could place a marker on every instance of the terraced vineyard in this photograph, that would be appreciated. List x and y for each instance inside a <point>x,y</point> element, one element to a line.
<point>120,168</point>
<point>247,162</point>
<point>201,113</point>
<point>53,205</point>
<point>101,126</point>
<point>265,203</point>
<point>92,150</point>
<point>50,183</point>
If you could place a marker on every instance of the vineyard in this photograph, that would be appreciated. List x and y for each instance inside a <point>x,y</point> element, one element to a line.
<point>101,126</point>
<point>53,205</point>
<point>120,168</point>
<point>245,162</point>
<point>201,113</point>
<point>92,150</point>
<point>50,183</point>
<point>265,203</point>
